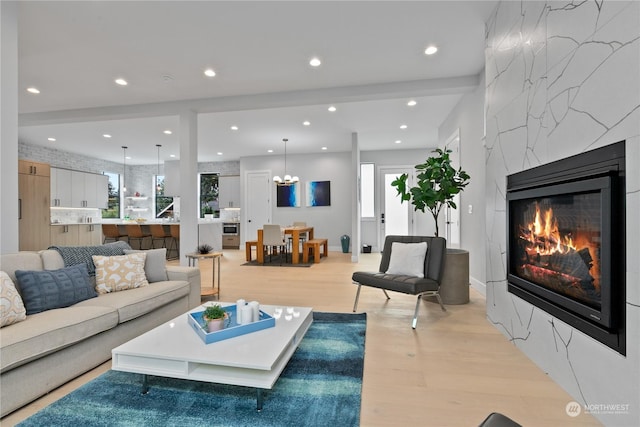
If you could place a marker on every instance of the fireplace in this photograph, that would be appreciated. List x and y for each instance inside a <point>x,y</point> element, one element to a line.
<point>566,241</point>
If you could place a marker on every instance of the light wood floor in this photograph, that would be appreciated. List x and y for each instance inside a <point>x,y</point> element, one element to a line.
<point>453,370</point>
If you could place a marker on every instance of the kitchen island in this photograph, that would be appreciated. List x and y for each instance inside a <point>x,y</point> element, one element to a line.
<point>209,230</point>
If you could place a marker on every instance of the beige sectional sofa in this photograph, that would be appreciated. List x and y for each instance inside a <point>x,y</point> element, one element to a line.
<point>50,348</point>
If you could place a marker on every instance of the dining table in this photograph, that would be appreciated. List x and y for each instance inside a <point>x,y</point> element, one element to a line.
<point>295,232</point>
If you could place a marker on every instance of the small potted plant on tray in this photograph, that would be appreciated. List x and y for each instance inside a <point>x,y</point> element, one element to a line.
<point>215,317</point>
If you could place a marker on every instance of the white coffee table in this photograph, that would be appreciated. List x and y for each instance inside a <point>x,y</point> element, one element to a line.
<point>174,350</point>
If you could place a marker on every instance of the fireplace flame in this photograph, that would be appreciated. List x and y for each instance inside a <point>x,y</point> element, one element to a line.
<point>544,236</point>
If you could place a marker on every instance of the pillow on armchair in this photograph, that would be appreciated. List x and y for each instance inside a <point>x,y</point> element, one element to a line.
<point>407,259</point>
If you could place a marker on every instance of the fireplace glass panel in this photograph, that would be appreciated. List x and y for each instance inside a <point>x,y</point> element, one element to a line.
<point>557,242</point>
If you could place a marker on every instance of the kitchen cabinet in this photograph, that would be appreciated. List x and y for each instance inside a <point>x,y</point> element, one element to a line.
<point>75,189</point>
<point>76,235</point>
<point>64,235</point>
<point>229,191</point>
<point>61,187</point>
<point>89,234</point>
<point>28,167</point>
<point>33,205</point>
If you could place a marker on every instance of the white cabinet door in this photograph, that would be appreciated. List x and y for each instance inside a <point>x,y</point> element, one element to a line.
<point>78,199</point>
<point>90,194</point>
<point>61,187</point>
<point>229,192</point>
<point>102,191</point>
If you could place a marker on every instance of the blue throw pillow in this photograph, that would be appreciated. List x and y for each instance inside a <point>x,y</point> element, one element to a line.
<point>48,289</point>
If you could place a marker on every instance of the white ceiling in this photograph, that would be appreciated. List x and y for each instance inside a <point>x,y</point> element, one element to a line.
<point>372,55</point>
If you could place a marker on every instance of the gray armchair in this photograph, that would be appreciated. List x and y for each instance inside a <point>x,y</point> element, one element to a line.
<point>412,285</point>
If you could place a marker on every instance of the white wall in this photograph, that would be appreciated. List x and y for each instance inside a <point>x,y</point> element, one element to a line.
<point>9,127</point>
<point>561,79</point>
<point>329,222</point>
<point>468,118</point>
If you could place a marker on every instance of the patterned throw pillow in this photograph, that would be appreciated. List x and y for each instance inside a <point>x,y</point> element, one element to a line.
<point>11,307</point>
<point>43,290</point>
<point>119,273</point>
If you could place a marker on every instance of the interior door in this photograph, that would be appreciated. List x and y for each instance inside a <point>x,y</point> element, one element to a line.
<point>452,216</point>
<point>257,203</point>
<point>396,218</point>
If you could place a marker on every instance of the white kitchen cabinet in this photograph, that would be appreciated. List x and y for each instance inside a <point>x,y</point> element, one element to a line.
<point>102,191</point>
<point>229,191</point>
<point>75,189</point>
<point>61,187</point>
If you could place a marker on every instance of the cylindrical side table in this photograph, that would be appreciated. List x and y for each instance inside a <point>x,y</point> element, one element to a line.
<point>454,288</point>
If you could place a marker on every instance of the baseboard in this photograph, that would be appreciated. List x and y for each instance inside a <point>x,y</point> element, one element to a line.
<point>478,286</point>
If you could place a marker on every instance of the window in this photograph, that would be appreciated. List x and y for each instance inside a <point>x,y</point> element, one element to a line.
<point>367,190</point>
<point>208,194</point>
<point>164,204</point>
<point>113,202</point>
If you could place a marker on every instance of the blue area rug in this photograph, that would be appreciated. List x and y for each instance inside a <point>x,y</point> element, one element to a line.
<point>321,386</point>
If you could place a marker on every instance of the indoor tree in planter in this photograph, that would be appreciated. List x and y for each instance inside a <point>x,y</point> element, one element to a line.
<point>437,182</point>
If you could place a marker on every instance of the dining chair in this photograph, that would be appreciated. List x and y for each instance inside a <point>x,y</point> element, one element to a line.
<point>303,235</point>
<point>111,232</point>
<point>272,239</point>
<point>134,232</point>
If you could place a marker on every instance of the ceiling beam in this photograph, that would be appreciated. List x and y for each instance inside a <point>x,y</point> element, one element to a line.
<point>337,95</point>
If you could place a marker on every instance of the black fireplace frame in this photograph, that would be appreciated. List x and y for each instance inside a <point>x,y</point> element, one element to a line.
<point>601,170</point>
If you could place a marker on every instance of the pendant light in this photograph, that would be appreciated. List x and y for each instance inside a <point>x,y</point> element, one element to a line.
<point>158,186</point>
<point>288,179</point>
<point>124,168</point>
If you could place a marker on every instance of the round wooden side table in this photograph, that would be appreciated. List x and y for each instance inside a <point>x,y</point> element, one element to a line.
<point>215,257</point>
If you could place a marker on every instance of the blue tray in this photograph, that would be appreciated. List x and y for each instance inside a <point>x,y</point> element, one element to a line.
<point>233,329</point>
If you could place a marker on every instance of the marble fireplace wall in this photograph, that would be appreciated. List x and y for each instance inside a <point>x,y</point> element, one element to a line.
<point>563,78</point>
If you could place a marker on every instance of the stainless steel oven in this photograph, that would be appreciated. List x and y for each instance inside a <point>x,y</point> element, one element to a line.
<point>230,228</point>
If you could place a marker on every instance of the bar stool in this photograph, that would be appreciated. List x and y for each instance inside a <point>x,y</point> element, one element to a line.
<point>158,233</point>
<point>174,243</point>
<point>134,231</point>
<point>111,232</point>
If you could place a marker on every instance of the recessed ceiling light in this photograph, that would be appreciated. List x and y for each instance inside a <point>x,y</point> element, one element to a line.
<point>315,62</point>
<point>306,123</point>
<point>398,141</point>
<point>332,108</point>
<point>209,72</point>
<point>403,126</point>
<point>234,127</point>
<point>128,157</point>
<point>121,82</point>
<point>33,90</point>
<point>324,148</point>
<point>106,135</point>
<point>411,103</point>
<point>430,50</point>
<point>172,155</point>
<point>51,139</point>
<point>167,132</point>
<point>219,153</point>
<point>269,151</point>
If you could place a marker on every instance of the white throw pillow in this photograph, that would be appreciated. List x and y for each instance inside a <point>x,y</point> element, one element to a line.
<point>407,259</point>
<point>120,272</point>
<point>12,308</point>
